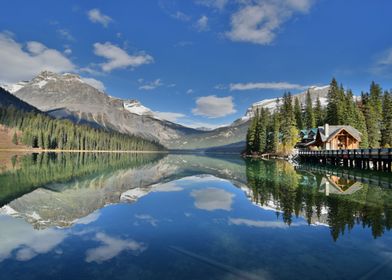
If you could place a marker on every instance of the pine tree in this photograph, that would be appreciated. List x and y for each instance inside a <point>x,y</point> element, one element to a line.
<point>372,122</point>
<point>288,126</point>
<point>336,104</point>
<point>310,121</point>
<point>298,114</point>
<point>350,108</point>
<point>250,135</point>
<point>319,113</point>
<point>386,132</point>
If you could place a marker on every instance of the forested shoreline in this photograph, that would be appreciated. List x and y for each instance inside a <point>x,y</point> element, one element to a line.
<point>39,130</point>
<point>277,132</point>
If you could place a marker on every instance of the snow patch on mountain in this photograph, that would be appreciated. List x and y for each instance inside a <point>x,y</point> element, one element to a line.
<point>319,92</point>
<point>135,107</point>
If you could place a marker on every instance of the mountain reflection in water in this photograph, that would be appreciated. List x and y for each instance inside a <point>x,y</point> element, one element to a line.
<point>104,205</point>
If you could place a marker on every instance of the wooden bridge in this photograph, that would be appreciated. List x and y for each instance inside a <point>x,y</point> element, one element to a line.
<point>375,159</point>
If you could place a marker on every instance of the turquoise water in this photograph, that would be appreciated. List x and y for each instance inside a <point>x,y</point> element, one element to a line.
<point>75,216</point>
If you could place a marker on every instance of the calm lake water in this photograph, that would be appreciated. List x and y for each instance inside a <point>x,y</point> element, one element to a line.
<point>112,216</point>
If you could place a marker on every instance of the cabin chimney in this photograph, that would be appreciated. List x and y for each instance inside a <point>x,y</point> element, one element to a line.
<point>326,130</point>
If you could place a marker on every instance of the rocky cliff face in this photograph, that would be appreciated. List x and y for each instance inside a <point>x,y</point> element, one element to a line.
<point>68,96</point>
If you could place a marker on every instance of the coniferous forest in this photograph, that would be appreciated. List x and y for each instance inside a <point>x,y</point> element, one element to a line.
<point>39,130</point>
<point>277,132</point>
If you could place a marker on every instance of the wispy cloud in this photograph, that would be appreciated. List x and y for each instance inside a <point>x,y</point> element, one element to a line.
<point>181,16</point>
<point>24,61</point>
<point>169,116</point>
<point>111,247</point>
<point>272,85</point>
<point>118,58</point>
<point>218,4</point>
<point>383,62</point>
<point>258,21</point>
<point>150,85</point>
<point>214,107</point>
<point>96,16</point>
<point>202,24</point>
<point>261,224</point>
<point>95,83</point>
<point>65,34</point>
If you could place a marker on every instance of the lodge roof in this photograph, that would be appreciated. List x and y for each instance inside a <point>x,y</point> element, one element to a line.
<point>335,129</point>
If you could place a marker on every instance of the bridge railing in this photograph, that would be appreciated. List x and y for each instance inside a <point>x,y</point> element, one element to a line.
<point>381,153</point>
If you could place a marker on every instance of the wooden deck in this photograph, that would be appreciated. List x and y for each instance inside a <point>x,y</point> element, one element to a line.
<point>375,159</point>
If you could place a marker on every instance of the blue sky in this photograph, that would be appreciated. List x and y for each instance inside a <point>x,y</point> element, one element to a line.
<point>201,62</point>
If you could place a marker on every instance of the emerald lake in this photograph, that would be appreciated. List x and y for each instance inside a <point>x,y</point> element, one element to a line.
<point>184,216</point>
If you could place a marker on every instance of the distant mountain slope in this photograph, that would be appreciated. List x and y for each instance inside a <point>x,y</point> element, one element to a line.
<point>68,96</point>
<point>8,99</point>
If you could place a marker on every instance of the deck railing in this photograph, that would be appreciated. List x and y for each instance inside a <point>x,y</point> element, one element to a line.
<point>381,153</point>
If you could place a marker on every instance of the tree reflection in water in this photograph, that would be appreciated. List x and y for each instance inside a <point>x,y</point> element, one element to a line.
<point>337,198</point>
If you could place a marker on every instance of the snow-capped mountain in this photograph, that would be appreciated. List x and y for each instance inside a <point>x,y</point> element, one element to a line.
<point>135,107</point>
<point>69,96</point>
<point>273,104</point>
<point>13,87</point>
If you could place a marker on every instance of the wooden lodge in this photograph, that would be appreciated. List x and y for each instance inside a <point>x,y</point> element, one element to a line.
<point>332,137</point>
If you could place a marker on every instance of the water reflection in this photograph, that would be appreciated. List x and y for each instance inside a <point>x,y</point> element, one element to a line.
<point>323,196</point>
<point>190,217</point>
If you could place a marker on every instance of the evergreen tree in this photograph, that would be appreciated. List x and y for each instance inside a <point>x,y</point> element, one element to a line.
<point>298,114</point>
<point>310,120</point>
<point>336,104</point>
<point>250,135</point>
<point>350,107</point>
<point>319,113</point>
<point>386,132</point>
<point>288,125</point>
<point>360,124</point>
<point>372,122</point>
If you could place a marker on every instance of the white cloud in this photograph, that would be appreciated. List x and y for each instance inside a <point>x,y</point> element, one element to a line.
<point>95,83</point>
<point>190,91</point>
<point>214,107</point>
<point>16,234</point>
<point>24,61</point>
<point>181,16</point>
<point>383,63</point>
<point>211,199</point>
<point>111,247</point>
<point>169,116</point>
<point>258,21</point>
<point>261,224</point>
<point>68,51</point>
<point>218,4</point>
<point>96,16</point>
<point>168,187</point>
<point>65,34</point>
<point>274,86</point>
<point>88,219</point>
<point>220,87</point>
<point>151,85</point>
<point>117,58</point>
<point>147,218</point>
<point>202,24</point>
<point>196,124</point>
